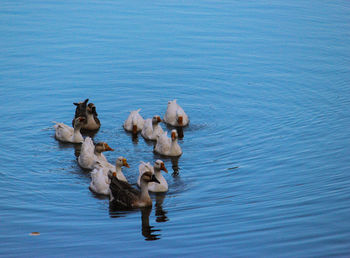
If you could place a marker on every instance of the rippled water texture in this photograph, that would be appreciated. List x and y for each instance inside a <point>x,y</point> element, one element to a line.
<point>266,159</point>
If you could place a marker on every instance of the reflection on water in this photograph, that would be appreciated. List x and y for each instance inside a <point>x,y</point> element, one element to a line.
<point>115,212</point>
<point>77,149</point>
<point>159,212</point>
<point>148,231</point>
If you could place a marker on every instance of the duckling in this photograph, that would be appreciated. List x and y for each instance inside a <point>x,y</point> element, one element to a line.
<point>122,194</point>
<point>80,109</point>
<point>92,122</point>
<point>151,128</point>
<point>175,115</point>
<point>158,166</point>
<point>168,146</point>
<point>90,153</point>
<point>134,122</point>
<point>65,133</point>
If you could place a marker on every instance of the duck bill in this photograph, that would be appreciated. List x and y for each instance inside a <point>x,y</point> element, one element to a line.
<point>114,174</point>
<point>107,148</point>
<point>134,129</point>
<point>154,179</point>
<point>162,167</point>
<point>159,119</point>
<point>173,136</point>
<point>125,163</point>
<point>180,120</point>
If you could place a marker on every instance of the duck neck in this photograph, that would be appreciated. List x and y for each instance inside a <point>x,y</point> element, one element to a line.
<point>144,195</point>
<point>90,118</point>
<point>157,173</point>
<point>77,128</point>
<point>98,153</point>
<point>118,169</point>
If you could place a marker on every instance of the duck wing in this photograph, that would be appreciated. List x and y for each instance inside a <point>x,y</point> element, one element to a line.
<point>123,193</point>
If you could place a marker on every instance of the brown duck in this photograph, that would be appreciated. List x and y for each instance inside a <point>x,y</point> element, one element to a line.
<point>124,195</point>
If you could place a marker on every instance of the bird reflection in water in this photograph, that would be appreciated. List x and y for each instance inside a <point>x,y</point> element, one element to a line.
<point>179,129</point>
<point>160,213</point>
<point>147,231</point>
<point>175,165</point>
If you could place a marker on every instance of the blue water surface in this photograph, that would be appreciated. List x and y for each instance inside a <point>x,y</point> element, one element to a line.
<point>266,159</point>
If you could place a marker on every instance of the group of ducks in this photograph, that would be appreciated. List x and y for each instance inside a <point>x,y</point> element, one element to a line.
<point>108,179</point>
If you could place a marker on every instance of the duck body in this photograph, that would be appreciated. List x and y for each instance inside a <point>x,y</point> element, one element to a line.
<point>151,128</point>
<point>175,115</point>
<point>80,109</point>
<point>124,195</point>
<point>134,123</point>
<point>65,133</point>
<point>92,123</point>
<point>99,181</point>
<point>160,187</point>
<point>168,146</point>
<point>90,153</point>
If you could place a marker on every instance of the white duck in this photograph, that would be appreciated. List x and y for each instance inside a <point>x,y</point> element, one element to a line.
<point>66,133</point>
<point>175,115</point>
<point>90,153</point>
<point>117,169</point>
<point>134,123</point>
<point>151,128</point>
<point>168,146</point>
<point>99,180</point>
<point>158,166</point>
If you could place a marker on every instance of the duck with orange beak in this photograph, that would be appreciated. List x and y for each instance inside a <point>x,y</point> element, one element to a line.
<point>168,146</point>
<point>151,128</point>
<point>175,115</point>
<point>65,133</point>
<point>158,166</point>
<point>134,123</point>
<point>117,169</point>
<point>91,153</point>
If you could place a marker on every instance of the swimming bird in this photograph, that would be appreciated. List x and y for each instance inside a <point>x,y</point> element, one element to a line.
<point>123,194</point>
<point>80,109</point>
<point>168,146</point>
<point>99,180</point>
<point>158,166</point>
<point>90,153</point>
<point>175,115</point>
<point>92,122</point>
<point>134,122</point>
<point>151,128</point>
<point>65,133</point>
<point>119,163</point>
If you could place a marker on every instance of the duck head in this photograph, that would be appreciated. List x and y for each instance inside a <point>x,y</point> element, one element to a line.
<point>79,121</point>
<point>156,120</point>
<point>91,109</point>
<point>121,161</point>
<point>159,164</point>
<point>80,108</point>
<point>103,146</point>
<point>174,135</point>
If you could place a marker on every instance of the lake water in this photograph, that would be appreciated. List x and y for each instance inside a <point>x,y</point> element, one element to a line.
<point>265,169</point>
